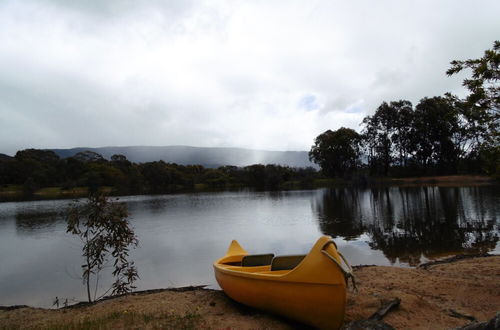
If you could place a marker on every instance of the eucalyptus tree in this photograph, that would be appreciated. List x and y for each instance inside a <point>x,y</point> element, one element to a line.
<point>336,152</point>
<point>484,103</point>
<point>435,124</point>
<point>107,236</point>
<point>387,135</point>
<point>484,84</point>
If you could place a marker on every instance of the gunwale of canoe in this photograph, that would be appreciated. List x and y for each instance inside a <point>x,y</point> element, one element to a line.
<point>314,292</point>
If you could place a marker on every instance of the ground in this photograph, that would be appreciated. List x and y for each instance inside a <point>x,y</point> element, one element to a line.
<point>441,296</point>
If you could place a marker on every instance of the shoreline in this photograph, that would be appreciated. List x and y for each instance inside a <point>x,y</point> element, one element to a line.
<point>443,294</point>
<point>57,193</point>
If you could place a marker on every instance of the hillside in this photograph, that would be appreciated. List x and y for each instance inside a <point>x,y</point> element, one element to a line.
<point>5,157</point>
<point>208,157</point>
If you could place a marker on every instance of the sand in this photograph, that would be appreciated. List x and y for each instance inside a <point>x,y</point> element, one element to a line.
<point>443,296</point>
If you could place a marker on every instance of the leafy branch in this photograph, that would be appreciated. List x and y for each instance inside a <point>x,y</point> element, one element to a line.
<point>105,232</point>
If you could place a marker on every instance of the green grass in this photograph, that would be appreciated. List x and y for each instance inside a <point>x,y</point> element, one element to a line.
<point>328,182</point>
<point>11,188</point>
<point>51,191</point>
<point>200,186</point>
<point>16,192</point>
<point>57,192</point>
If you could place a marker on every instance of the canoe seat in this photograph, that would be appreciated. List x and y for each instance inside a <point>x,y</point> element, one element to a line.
<point>253,260</point>
<point>286,262</point>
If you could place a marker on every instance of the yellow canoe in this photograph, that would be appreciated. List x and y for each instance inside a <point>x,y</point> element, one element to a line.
<point>310,289</point>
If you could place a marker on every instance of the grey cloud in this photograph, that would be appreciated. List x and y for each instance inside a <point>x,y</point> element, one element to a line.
<point>119,7</point>
<point>339,103</point>
<point>221,73</point>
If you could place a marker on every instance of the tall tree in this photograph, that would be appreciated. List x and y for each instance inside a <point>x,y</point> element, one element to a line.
<point>336,152</point>
<point>387,136</point>
<point>402,137</point>
<point>435,125</point>
<point>484,101</point>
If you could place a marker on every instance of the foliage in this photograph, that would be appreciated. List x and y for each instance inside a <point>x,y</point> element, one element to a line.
<point>88,156</point>
<point>435,123</point>
<point>484,84</point>
<point>125,177</point>
<point>484,102</point>
<point>34,167</point>
<point>387,135</point>
<point>336,152</point>
<point>103,228</point>
<point>441,135</point>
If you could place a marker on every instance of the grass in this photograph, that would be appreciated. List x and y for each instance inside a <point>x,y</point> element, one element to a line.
<point>327,182</point>
<point>11,189</point>
<point>121,320</point>
<point>16,192</point>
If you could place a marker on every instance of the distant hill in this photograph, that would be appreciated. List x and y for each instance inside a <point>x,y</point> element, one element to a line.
<point>5,157</point>
<point>208,157</point>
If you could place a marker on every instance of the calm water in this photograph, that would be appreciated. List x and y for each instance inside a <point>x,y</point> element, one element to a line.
<point>181,235</point>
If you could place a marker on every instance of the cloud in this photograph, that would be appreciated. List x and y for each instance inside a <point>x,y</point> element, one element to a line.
<point>257,74</point>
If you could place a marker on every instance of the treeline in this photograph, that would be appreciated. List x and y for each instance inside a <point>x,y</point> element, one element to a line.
<point>440,135</point>
<point>34,169</point>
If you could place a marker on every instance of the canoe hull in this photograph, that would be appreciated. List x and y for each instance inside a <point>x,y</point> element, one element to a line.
<point>312,292</point>
<point>320,305</point>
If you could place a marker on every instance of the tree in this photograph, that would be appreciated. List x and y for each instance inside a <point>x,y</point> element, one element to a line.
<point>387,135</point>
<point>103,228</point>
<point>39,166</point>
<point>402,136</point>
<point>89,156</point>
<point>484,100</point>
<point>435,126</point>
<point>336,152</point>
<point>484,84</point>
<point>118,158</point>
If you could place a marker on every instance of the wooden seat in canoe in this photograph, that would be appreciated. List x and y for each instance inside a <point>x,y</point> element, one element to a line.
<point>253,260</point>
<point>286,262</point>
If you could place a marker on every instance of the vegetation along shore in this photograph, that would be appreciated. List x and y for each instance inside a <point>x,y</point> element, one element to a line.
<point>41,174</point>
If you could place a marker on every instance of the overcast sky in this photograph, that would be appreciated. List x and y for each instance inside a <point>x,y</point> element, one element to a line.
<point>256,74</point>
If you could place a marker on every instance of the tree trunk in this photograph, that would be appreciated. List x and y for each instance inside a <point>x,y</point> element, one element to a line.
<point>88,279</point>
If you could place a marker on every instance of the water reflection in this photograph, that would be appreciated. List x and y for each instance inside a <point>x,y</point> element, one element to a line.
<point>339,213</point>
<point>28,222</point>
<point>408,223</point>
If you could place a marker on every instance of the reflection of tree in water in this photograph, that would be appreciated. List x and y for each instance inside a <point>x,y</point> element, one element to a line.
<point>29,222</point>
<point>339,213</point>
<point>435,224</point>
<point>407,223</point>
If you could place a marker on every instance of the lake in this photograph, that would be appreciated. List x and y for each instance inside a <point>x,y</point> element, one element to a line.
<point>181,235</point>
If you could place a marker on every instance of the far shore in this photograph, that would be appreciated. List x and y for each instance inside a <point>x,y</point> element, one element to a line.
<point>15,192</point>
<point>451,293</point>
<point>445,180</point>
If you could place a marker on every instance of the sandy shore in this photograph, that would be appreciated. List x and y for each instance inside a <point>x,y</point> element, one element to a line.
<point>441,296</point>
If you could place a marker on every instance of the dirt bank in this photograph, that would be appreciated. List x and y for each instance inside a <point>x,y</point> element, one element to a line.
<point>441,296</point>
<point>442,181</point>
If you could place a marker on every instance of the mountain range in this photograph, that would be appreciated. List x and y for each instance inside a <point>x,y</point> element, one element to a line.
<point>208,157</point>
